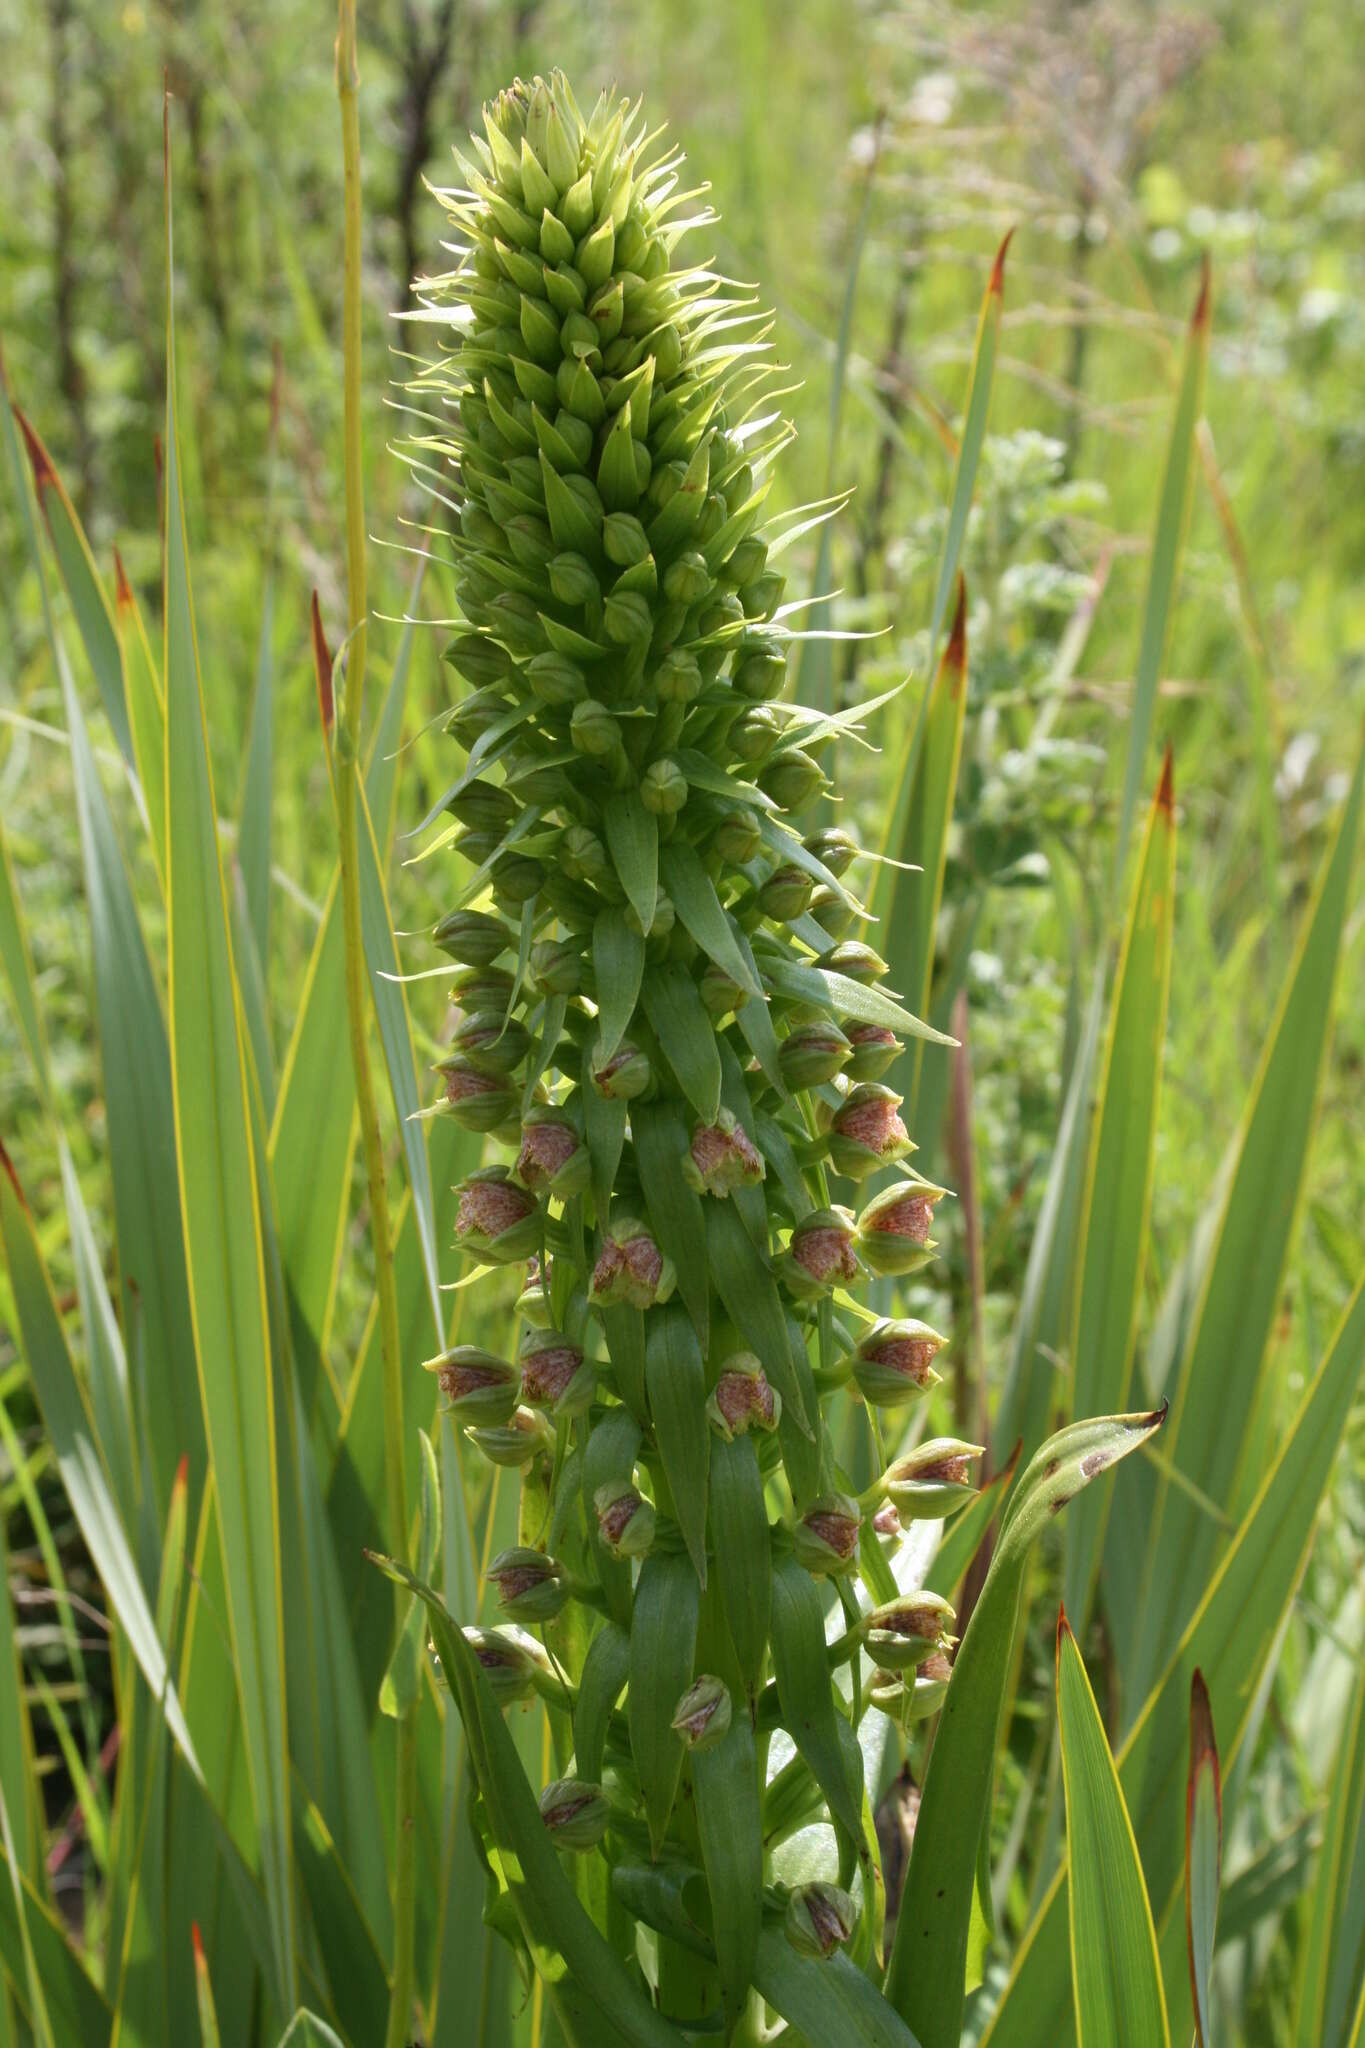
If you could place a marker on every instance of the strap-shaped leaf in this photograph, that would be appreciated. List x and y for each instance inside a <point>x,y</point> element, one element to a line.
<point>698,907</point>
<point>663,1635</point>
<point>730,1828</point>
<point>753,1304</point>
<point>741,1551</point>
<point>605,1670</point>
<point>1203,1854</point>
<point>830,2001</point>
<point>633,843</point>
<point>936,1908</point>
<point>675,1380</point>
<point>678,1019</point>
<point>804,1691</point>
<point>1115,1969</point>
<point>618,965</point>
<point>675,1210</point>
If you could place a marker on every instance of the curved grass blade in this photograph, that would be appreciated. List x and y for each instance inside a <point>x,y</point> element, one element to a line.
<point>1203,1853</point>
<point>1115,1969</point>
<point>1229,1638</point>
<point>1213,1420</point>
<point>222,1231</point>
<point>935,1914</point>
<point>1168,542</point>
<point>559,1933</point>
<point>1116,1205</point>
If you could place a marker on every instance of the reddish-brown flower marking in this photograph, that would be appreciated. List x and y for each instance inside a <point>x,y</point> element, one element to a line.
<point>488,1207</point>
<point>825,1251</point>
<point>457,1380</point>
<point>544,1149</point>
<point>465,1084</point>
<point>617,1517</point>
<point>911,1357</point>
<point>840,1532</point>
<point>875,1122</point>
<point>745,1398</point>
<point>546,1373</point>
<point>911,1217</point>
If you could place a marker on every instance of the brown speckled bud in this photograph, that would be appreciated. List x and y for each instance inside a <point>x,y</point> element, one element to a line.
<point>722,1157</point>
<point>820,1255</point>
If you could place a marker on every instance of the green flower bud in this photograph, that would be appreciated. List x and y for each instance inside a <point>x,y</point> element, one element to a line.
<point>742,1399</point>
<point>812,1054</point>
<point>556,680</point>
<point>510,1660</point>
<point>485,807</point>
<point>867,1132</point>
<point>530,1586</point>
<point>760,675</point>
<point>875,1049</point>
<point>932,1481</point>
<point>701,1718</point>
<point>852,958</point>
<point>820,1919</point>
<point>584,856</point>
<point>623,1076</point>
<point>721,994</point>
<point>576,387</point>
<point>825,1537</point>
<point>625,1519</point>
<point>553,1159</point>
<point>482,988</point>
<point>472,937</point>
<point>662,922</point>
<point>834,848</point>
<point>479,660</point>
<point>923,1696</point>
<point>893,1363</point>
<point>793,780</point>
<point>496,1220</point>
<point>573,581</point>
<point>481,1388</point>
<point>903,1632</point>
<point>630,1268</point>
<point>663,788</point>
<point>678,680</point>
<point>575,1813</point>
<point>786,894</point>
<point>687,578</point>
<point>492,1042</point>
<point>593,730</point>
<point>624,540</point>
<point>470,720</point>
<point>628,618</point>
<point>477,847</point>
<point>820,1254</point>
<point>530,541</point>
<point>557,966</point>
<point>516,1442</point>
<point>516,878</point>
<point>533,1303</point>
<point>755,733</point>
<point>555,1374</point>
<point>832,912</point>
<point>737,837</point>
<point>763,596</point>
<point>893,1230</point>
<point>722,1157</point>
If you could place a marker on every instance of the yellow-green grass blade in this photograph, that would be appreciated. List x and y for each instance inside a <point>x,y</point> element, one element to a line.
<point>1218,1386</point>
<point>254,836</point>
<point>46,1975</point>
<point>217,1181</point>
<point>907,899</point>
<point>90,605</point>
<point>146,709</point>
<point>1116,1206</point>
<point>74,1443</point>
<point>1203,1854</point>
<point>1163,575</point>
<point>959,505</point>
<point>1332,1974</point>
<point>1229,1638</point>
<point>106,1363</point>
<point>936,1909</point>
<point>209,2035</point>
<point>1115,1969</point>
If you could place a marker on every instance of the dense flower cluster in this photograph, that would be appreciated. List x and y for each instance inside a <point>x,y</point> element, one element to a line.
<point>666,1015</point>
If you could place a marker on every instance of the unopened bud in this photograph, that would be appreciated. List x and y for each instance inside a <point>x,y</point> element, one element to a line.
<point>720,992</point>
<point>820,1919</point>
<point>722,1157</point>
<point>556,680</point>
<point>812,1054</point>
<point>793,780</point>
<point>679,680</point>
<point>593,730</point>
<point>553,1160</point>
<point>510,1660</point>
<point>786,894</point>
<point>496,1220</point>
<point>903,1632</point>
<point>472,936</point>
<point>516,1441</point>
<point>742,1399</point>
<point>572,578</point>
<point>820,1254</point>
<point>858,961</point>
<point>833,848</point>
<point>624,1076</point>
<point>477,1101</point>
<point>480,661</point>
<point>557,966</point>
<point>875,1048</point>
<point>932,1481</point>
<point>663,789</point>
<point>625,1519</point>
<point>893,1230</point>
<point>482,988</point>
<point>624,540</point>
<point>737,837</point>
<point>516,878</point>
<point>702,1716</point>
<point>894,1363</point>
<point>484,807</point>
<point>629,619</point>
<point>760,675</point>
<point>687,578</point>
<point>492,1042</point>
<point>533,1303</point>
<point>755,733</point>
<point>481,1388</point>
<point>530,1586</point>
<point>825,1537</point>
<point>867,1132</point>
<point>575,1813</point>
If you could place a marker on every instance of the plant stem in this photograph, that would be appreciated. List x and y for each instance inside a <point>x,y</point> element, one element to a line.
<point>347,743</point>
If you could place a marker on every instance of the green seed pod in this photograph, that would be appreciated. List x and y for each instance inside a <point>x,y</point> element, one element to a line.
<point>530,1586</point>
<point>820,1919</point>
<point>481,1388</point>
<point>575,1813</point>
<point>932,1481</point>
<point>701,1719</point>
<point>893,1363</point>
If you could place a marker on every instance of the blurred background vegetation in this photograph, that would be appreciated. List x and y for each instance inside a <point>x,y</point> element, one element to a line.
<point>867,159</point>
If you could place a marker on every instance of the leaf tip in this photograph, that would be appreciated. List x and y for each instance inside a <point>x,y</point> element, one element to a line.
<point>182,1473</point>
<point>955,654</point>
<point>1165,792</point>
<point>997,283</point>
<point>1203,1741</point>
<point>8,1165</point>
<point>123,589</point>
<point>1203,305</point>
<point>44,475</point>
<point>200,1963</point>
<point>322,665</point>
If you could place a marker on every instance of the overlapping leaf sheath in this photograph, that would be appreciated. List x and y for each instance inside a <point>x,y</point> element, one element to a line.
<point>668,1021</point>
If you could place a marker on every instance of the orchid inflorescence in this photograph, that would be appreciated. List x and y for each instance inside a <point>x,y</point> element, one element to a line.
<point>665,1015</point>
